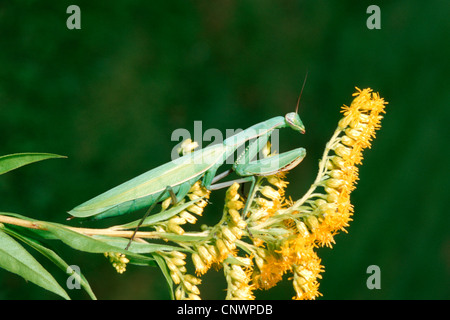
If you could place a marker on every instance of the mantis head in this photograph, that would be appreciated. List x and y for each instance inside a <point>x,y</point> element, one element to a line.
<point>292,118</point>
<point>294,121</point>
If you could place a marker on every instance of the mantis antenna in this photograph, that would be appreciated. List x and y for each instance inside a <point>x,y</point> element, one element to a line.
<point>298,101</point>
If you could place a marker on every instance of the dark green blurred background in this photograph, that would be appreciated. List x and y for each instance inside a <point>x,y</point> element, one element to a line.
<point>110,95</point>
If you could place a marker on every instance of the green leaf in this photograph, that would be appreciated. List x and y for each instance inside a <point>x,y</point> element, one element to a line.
<point>185,237</point>
<point>17,160</point>
<point>165,270</point>
<point>53,257</point>
<point>85,243</point>
<point>14,258</point>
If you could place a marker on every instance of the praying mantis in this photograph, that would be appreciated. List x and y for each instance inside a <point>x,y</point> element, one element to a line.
<point>176,178</point>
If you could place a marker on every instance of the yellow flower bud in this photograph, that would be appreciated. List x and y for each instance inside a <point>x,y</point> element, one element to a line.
<point>237,231</point>
<point>364,117</point>
<point>213,251</point>
<point>187,146</point>
<point>259,214</point>
<point>166,203</point>
<point>188,217</point>
<point>338,162</point>
<point>205,255</point>
<point>178,262</point>
<point>319,202</point>
<point>182,269</point>
<point>237,274</point>
<point>192,296</point>
<point>172,267</point>
<point>160,229</point>
<point>334,183</point>
<point>337,174</point>
<point>175,277</point>
<point>200,266</point>
<point>175,228</point>
<point>333,197</point>
<point>124,259</point>
<point>201,203</point>
<point>264,203</point>
<point>193,196</point>
<point>347,141</point>
<point>232,192</point>
<point>235,216</point>
<point>195,209</point>
<point>328,208</point>
<point>245,261</point>
<point>236,205</point>
<point>353,133</point>
<point>222,248</point>
<point>343,123</point>
<point>312,222</point>
<point>177,220</point>
<point>342,151</point>
<point>302,229</point>
<point>270,193</point>
<point>191,288</point>
<point>194,280</point>
<point>227,234</point>
<point>241,224</point>
<point>277,181</point>
<point>179,293</point>
<point>266,150</point>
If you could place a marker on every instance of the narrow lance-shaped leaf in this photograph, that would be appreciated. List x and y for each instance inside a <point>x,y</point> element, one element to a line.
<point>15,259</point>
<point>52,256</point>
<point>165,270</point>
<point>85,243</point>
<point>138,247</point>
<point>17,160</point>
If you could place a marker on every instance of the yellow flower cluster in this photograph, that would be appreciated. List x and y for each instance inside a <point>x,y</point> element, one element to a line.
<point>354,133</point>
<point>216,250</point>
<point>290,247</point>
<point>118,260</point>
<point>174,224</point>
<point>305,278</point>
<point>270,199</point>
<point>187,284</point>
<point>239,280</point>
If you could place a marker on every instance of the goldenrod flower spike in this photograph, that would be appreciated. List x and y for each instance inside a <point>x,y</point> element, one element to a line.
<point>318,216</point>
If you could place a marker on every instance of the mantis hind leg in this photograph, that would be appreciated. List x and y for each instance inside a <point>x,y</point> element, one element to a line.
<point>150,209</point>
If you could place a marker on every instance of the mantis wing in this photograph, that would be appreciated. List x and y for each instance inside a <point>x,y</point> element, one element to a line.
<point>144,189</point>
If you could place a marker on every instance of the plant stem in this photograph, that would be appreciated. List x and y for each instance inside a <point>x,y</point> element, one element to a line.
<point>86,231</point>
<point>322,170</point>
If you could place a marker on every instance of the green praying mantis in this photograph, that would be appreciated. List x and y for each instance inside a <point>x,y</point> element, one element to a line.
<point>176,178</point>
